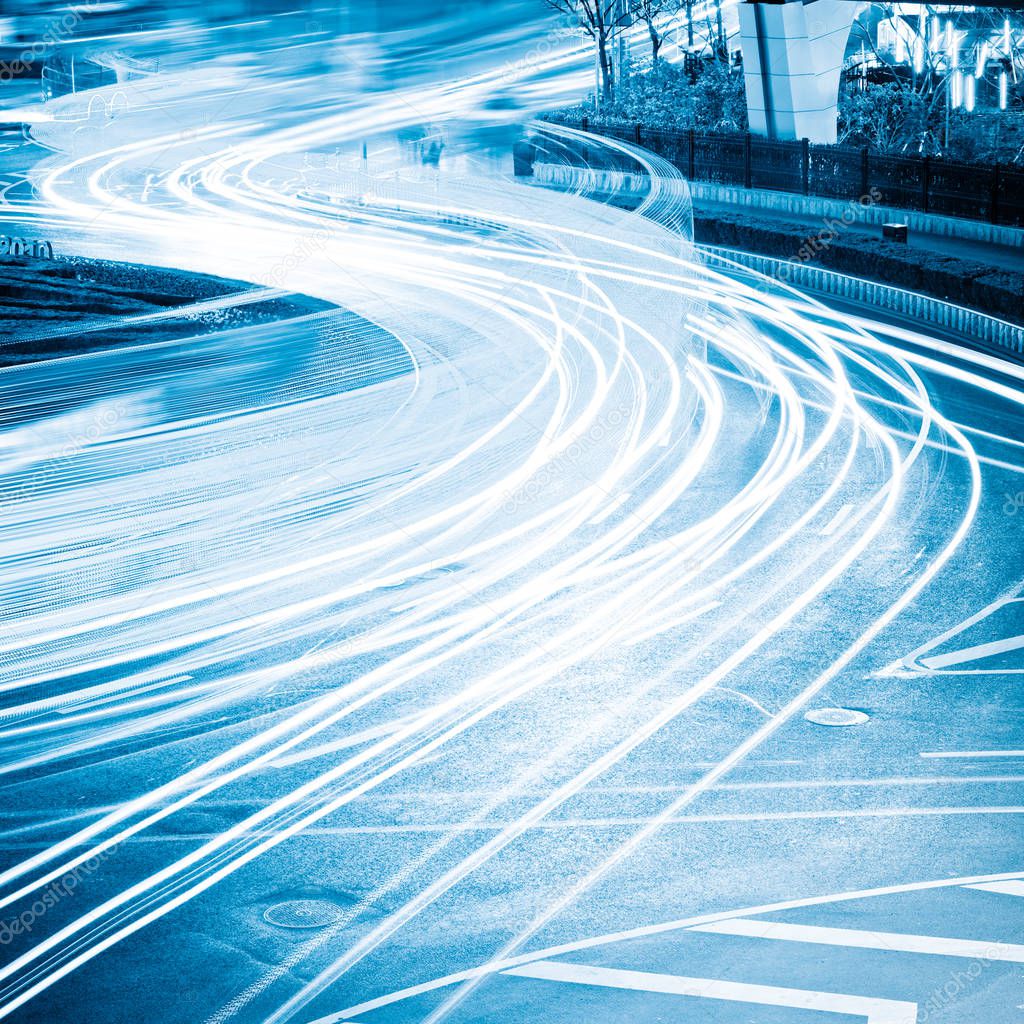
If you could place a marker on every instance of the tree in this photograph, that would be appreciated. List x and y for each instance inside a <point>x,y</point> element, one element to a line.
<point>884,117</point>
<point>668,97</point>
<point>652,13</point>
<point>906,103</point>
<point>721,49</point>
<point>597,18</point>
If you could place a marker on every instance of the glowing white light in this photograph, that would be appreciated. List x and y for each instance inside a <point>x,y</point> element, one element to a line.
<point>982,59</point>
<point>918,55</point>
<point>582,355</point>
<point>1002,90</point>
<point>968,93</point>
<point>900,49</point>
<point>956,90</point>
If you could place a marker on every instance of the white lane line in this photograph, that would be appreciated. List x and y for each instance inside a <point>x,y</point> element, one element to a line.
<point>971,753</point>
<point>966,672</point>
<point>661,928</point>
<point>877,1011</point>
<point>889,941</point>
<point>911,661</point>
<point>837,520</point>
<point>989,650</point>
<point>559,824</point>
<point>882,782</point>
<point>1011,887</point>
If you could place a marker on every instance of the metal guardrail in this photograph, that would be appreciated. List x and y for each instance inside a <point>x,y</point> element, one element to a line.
<point>984,192</point>
<point>990,331</point>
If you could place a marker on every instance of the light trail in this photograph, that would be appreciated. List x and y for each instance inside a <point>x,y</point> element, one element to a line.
<point>543,474</point>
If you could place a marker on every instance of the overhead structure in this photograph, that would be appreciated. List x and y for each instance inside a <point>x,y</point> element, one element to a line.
<point>792,62</point>
<point>793,54</point>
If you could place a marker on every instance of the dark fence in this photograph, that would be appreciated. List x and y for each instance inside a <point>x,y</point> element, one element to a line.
<point>988,192</point>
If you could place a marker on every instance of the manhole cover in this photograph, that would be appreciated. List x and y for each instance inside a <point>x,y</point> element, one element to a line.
<point>303,914</point>
<point>836,716</point>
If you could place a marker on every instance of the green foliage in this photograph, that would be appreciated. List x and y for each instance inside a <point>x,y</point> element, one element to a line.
<point>986,136</point>
<point>893,118</point>
<point>665,97</point>
<point>888,118</point>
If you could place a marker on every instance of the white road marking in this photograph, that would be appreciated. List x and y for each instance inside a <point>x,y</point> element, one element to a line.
<point>663,927</point>
<point>894,780</point>
<point>877,1011</point>
<point>558,824</point>
<point>894,942</point>
<point>972,753</point>
<point>913,661</point>
<point>989,650</point>
<point>1011,887</point>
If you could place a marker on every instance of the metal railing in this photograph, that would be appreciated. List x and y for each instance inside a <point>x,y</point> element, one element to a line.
<point>990,332</point>
<point>982,192</point>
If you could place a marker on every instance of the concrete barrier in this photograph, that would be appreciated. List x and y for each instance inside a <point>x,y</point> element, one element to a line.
<point>1000,336</point>
<point>814,206</point>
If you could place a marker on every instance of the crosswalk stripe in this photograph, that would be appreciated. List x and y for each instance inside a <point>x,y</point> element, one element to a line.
<point>877,1011</point>
<point>890,941</point>
<point>654,930</point>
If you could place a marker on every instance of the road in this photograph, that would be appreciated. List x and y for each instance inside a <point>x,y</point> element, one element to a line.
<point>447,656</point>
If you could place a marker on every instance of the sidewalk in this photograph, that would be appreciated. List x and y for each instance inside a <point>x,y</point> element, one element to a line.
<point>1003,257</point>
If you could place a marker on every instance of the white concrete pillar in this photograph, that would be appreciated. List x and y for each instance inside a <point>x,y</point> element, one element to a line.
<point>792,61</point>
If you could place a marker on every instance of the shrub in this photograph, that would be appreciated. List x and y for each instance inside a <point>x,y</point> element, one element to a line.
<point>667,96</point>
<point>891,117</point>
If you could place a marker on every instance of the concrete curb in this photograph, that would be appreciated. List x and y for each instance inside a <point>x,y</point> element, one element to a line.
<point>814,206</point>
<point>999,335</point>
